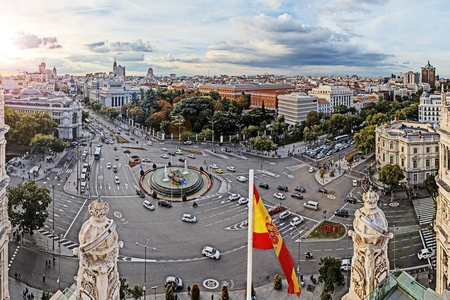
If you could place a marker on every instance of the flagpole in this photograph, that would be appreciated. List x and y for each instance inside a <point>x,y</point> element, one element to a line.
<point>250,235</point>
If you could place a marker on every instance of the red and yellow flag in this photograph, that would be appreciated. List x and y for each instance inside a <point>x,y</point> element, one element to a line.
<point>266,236</point>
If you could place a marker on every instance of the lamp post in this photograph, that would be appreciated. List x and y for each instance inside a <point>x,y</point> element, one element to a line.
<point>348,238</point>
<point>298,255</point>
<point>145,263</point>
<point>212,137</point>
<point>59,262</point>
<point>53,230</point>
<point>394,247</point>
<point>240,125</point>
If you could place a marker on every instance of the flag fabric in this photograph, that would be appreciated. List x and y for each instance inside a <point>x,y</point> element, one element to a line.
<point>266,236</point>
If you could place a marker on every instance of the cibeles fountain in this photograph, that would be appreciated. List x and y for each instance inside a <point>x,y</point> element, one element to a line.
<point>98,277</point>
<point>172,182</point>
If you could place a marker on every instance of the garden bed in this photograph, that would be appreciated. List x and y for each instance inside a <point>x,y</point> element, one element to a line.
<point>121,139</point>
<point>198,152</point>
<point>135,148</point>
<point>327,230</point>
<point>276,209</point>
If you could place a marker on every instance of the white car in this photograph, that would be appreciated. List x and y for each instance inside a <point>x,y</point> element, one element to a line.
<point>179,152</point>
<point>280,196</point>
<point>214,166</point>
<point>243,200</point>
<point>312,170</point>
<point>176,282</point>
<point>346,264</point>
<point>146,160</point>
<point>296,221</point>
<point>149,143</point>
<point>231,169</point>
<point>242,179</point>
<point>148,205</point>
<point>109,166</point>
<point>425,253</point>
<point>234,197</point>
<point>210,252</point>
<point>189,218</point>
<point>116,179</point>
<point>191,156</point>
<point>164,149</point>
<point>164,156</point>
<point>355,182</point>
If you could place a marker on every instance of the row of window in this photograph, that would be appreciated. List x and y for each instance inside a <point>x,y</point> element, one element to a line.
<point>415,149</point>
<point>415,162</point>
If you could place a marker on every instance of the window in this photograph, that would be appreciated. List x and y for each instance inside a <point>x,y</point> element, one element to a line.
<point>391,160</point>
<point>384,157</point>
<point>403,162</point>
<point>427,163</point>
<point>436,149</point>
<point>384,144</point>
<point>415,150</point>
<point>428,149</point>
<point>414,164</point>
<point>403,149</point>
<point>436,162</point>
<point>415,177</point>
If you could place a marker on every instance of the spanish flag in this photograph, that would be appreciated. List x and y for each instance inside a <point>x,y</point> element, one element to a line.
<point>266,236</point>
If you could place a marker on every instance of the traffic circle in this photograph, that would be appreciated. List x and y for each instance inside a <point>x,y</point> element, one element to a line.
<point>211,284</point>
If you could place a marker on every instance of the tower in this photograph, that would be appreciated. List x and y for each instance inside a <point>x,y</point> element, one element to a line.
<point>114,68</point>
<point>54,72</point>
<point>370,263</point>
<point>429,74</point>
<point>42,68</point>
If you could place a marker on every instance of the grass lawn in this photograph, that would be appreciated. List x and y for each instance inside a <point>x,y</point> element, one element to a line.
<point>327,230</point>
<point>121,139</point>
<point>191,151</point>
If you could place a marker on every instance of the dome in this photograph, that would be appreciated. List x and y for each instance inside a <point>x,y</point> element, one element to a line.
<point>30,91</point>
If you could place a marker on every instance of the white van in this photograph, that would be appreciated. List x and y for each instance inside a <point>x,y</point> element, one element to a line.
<point>311,205</point>
<point>83,177</point>
<point>83,187</point>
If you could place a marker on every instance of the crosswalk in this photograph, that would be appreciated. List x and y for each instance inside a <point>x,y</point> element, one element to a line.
<point>425,210</point>
<point>66,243</point>
<point>57,170</point>
<point>429,237</point>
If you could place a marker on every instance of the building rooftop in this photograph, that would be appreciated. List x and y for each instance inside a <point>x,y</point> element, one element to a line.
<point>410,129</point>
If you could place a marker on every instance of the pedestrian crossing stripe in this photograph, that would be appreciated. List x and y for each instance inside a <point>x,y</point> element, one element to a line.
<point>68,244</point>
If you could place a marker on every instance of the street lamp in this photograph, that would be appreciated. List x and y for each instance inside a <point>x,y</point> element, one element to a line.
<point>394,247</point>
<point>298,255</point>
<point>212,137</point>
<point>53,201</point>
<point>145,263</point>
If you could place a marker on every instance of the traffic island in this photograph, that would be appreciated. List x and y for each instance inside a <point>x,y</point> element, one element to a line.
<point>327,230</point>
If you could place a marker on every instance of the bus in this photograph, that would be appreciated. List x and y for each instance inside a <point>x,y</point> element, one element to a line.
<point>341,138</point>
<point>98,152</point>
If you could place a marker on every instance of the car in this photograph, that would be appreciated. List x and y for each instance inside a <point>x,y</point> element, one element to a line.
<point>115,169</point>
<point>179,152</point>
<point>164,156</point>
<point>264,185</point>
<point>242,179</point>
<point>346,264</point>
<point>100,145</point>
<point>425,253</point>
<point>210,252</point>
<point>191,156</point>
<point>148,205</point>
<point>146,159</point>
<point>117,158</point>
<point>187,143</point>
<point>312,170</point>
<point>351,199</point>
<point>182,159</point>
<point>176,282</point>
<point>231,169</point>
<point>280,196</point>
<point>300,189</point>
<point>109,166</point>
<point>220,171</point>
<point>296,221</point>
<point>172,153</point>
<point>322,190</point>
<point>149,143</point>
<point>214,166</point>
<point>165,203</point>
<point>355,182</point>
<point>189,218</point>
<point>234,197</point>
<point>132,138</point>
<point>115,148</point>
<point>243,200</point>
<point>111,142</point>
<point>284,215</point>
<point>283,188</point>
<point>116,179</point>
<point>297,195</point>
<point>341,213</point>
<point>127,151</point>
<point>140,193</point>
<point>164,149</point>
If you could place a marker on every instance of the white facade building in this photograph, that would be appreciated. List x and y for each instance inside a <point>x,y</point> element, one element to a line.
<point>335,95</point>
<point>112,93</point>
<point>430,109</point>
<point>294,107</point>
<point>323,106</point>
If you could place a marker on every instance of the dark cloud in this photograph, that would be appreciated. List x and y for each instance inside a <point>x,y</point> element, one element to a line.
<point>105,47</point>
<point>30,41</point>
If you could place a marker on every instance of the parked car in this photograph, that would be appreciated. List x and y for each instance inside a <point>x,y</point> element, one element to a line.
<point>243,200</point>
<point>284,215</point>
<point>189,218</point>
<point>132,138</point>
<point>283,188</point>
<point>355,182</point>
<point>346,264</point>
<point>242,179</point>
<point>164,149</point>
<point>322,190</point>
<point>296,221</point>
<point>187,143</point>
<point>264,185</point>
<point>297,195</point>
<point>280,196</point>
<point>300,189</point>
<point>146,159</point>
<point>140,193</point>
<point>191,156</point>
<point>165,203</point>
<point>425,253</point>
<point>231,169</point>
<point>341,213</point>
<point>312,170</point>
<point>234,197</point>
<point>176,282</point>
<point>148,205</point>
<point>127,151</point>
<point>179,152</point>
<point>210,252</point>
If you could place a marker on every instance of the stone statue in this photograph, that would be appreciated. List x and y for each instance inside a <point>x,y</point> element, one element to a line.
<point>370,263</point>
<point>98,277</point>
<point>175,175</point>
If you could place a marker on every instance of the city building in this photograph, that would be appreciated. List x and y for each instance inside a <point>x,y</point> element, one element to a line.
<point>429,74</point>
<point>335,95</point>
<point>294,107</point>
<point>5,225</point>
<point>430,108</point>
<point>118,70</point>
<point>411,145</point>
<point>112,93</point>
<point>63,110</point>
<point>411,78</point>
<point>150,73</point>
<point>323,106</point>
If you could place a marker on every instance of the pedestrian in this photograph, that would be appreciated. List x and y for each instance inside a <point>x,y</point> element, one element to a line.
<point>32,296</point>
<point>15,276</point>
<point>19,280</point>
<point>54,261</point>
<point>212,297</point>
<point>43,279</point>
<point>46,264</point>
<point>24,293</point>
<point>189,289</point>
<point>26,289</point>
<point>416,277</point>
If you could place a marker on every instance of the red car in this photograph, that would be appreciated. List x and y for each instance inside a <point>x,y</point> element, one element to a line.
<point>127,151</point>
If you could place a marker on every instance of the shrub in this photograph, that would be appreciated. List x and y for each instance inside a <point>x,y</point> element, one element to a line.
<point>224,295</point>
<point>46,295</point>
<point>137,292</point>
<point>331,173</point>
<point>170,295</point>
<point>195,292</point>
<point>154,195</point>
<point>142,173</point>
<point>349,157</point>
<point>124,289</point>
<point>169,164</point>
<point>322,172</point>
<point>277,284</point>
<point>201,169</point>
<point>154,166</point>
<point>184,197</point>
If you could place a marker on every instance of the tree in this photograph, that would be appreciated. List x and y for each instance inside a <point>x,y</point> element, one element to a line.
<point>156,119</point>
<point>124,288</point>
<point>46,295</point>
<point>134,98</point>
<point>341,109</point>
<point>170,295</point>
<point>27,205</point>
<point>277,283</point>
<point>195,292</point>
<point>312,118</point>
<point>336,124</point>
<point>391,176</point>
<point>137,114</point>
<point>96,106</point>
<point>43,143</point>
<point>185,135</point>
<point>251,131</point>
<point>432,187</point>
<point>137,292</point>
<point>224,295</point>
<point>84,116</point>
<point>365,139</point>
<point>243,102</point>
<point>206,134</point>
<point>377,119</point>
<point>330,273</point>
<point>262,143</point>
<point>311,134</point>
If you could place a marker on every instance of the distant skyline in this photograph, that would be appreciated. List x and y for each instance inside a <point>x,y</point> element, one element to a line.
<point>234,37</point>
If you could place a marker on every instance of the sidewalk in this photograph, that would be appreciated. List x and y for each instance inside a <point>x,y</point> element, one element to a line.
<point>16,289</point>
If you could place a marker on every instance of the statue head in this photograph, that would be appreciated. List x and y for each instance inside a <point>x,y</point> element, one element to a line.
<point>98,208</point>
<point>370,198</point>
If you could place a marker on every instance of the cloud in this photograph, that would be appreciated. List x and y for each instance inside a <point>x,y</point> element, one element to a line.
<point>187,58</point>
<point>339,6</point>
<point>105,47</point>
<point>30,41</point>
<point>275,4</point>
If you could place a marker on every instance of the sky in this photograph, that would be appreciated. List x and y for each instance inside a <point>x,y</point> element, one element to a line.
<point>234,37</point>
